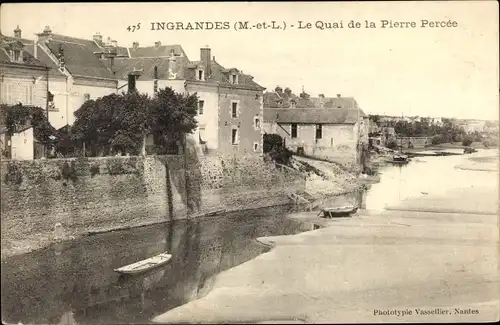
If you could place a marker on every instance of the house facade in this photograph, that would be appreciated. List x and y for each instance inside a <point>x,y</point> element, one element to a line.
<point>23,80</point>
<point>328,128</point>
<point>77,71</point>
<point>230,107</point>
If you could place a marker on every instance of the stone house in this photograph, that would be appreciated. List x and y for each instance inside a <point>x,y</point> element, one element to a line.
<point>332,128</point>
<point>23,79</point>
<point>77,71</point>
<point>230,102</point>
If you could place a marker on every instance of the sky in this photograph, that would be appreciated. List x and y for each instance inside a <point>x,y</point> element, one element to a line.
<point>437,72</point>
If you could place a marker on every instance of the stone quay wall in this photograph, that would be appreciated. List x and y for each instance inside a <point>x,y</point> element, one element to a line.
<point>97,194</point>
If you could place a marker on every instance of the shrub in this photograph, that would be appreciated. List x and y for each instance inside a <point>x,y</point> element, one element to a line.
<point>467,142</point>
<point>392,145</point>
<point>437,139</point>
<point>272,141</point>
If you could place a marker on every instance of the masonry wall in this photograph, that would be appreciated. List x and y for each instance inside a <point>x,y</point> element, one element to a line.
<point>90,194</point>
<point>338,142</point>
<point>249,107</point>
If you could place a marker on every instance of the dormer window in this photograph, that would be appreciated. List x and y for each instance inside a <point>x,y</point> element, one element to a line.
<point>200,74</point>
<point>234,79</point>
<point>17,56</point>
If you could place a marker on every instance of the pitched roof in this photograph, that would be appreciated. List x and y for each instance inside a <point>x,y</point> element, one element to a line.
<point>28,58</point>
<point>220,74</point>
<point>79,56</point>
<point>312,115</point>
<point>123,67</point>
<point>153,51</point>
<point>183,68</point>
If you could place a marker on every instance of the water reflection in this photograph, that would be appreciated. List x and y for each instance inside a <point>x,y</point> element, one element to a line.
<point>430,175</point>
<point>80,286</point>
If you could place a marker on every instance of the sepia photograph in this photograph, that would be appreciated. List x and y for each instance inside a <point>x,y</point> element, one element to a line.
<point>249,162</point>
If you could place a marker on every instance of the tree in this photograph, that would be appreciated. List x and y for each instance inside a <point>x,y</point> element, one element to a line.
<point>172,115</point>
<point>18,116</point>
<point>119,123</point>
<point>109,122</point>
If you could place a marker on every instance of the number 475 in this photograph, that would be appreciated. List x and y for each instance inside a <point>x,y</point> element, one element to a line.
<point>133,28</point>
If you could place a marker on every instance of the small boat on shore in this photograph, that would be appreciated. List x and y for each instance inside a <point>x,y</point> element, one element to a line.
<point>145,265</point>
<point>469,150</point>
<point>399,159</point>
<point>343,211</point>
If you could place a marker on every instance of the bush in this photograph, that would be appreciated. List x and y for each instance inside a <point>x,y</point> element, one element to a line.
<point>272,141</point>
<point>467,142</point>
<point>392,145</point>
<point>437,139</point>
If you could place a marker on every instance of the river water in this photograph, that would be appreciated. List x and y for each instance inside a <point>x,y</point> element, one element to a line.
<point>75,283</point>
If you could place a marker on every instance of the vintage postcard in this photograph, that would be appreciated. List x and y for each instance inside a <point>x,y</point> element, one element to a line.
<point>245,162</point>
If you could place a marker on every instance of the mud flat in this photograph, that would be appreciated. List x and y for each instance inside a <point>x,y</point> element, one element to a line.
<point>366,269</point>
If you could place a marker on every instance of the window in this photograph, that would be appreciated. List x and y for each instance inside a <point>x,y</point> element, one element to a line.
<point>234,109</point>
<point>234,79</point>
<point>256,123</point>
<point>234,136</point>
<point>201,103</point>
<point>17,55</point>
<point>255,146</point>
<point>200,75</point>
<point>294,130</point>
<point>29,95</point>
<point>6,94</point>
<point>319,131</point>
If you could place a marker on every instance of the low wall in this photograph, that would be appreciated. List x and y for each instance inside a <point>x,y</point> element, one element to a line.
<point>92,194</point>
<point>341,154</point>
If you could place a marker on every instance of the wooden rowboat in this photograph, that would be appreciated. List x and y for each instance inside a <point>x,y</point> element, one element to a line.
<point>338,212</point>
<point>145,265</point>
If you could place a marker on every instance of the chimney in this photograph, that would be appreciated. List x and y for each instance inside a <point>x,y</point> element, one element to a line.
<point>135,45</point>
<point>205,58</point>
<point>45,35</point>
<point>114,43</point>
<point>97,37</point>
<point>338,95</point>
<point>131,83</point>
<point>35,49</point>
<point>157,44</point>
<point>17,32</point>
<point>278,90</point>
<point>172,65</point>
<point>321,100</point>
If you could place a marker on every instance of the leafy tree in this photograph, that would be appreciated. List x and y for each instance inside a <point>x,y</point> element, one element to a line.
<point>18,116</point>
<point>119,123</point>
<point>375,118</point>
<point>172,115</point>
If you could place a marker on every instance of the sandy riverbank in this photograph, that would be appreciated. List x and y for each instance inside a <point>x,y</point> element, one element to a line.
<point>361,269</point>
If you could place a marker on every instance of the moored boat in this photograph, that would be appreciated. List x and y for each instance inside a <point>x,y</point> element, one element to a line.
<point>338,211</point>
<point>145,265</point>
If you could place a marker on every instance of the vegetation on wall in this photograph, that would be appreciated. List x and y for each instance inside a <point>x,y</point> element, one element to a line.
<point>275,148</point>
<point>14,174</point>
